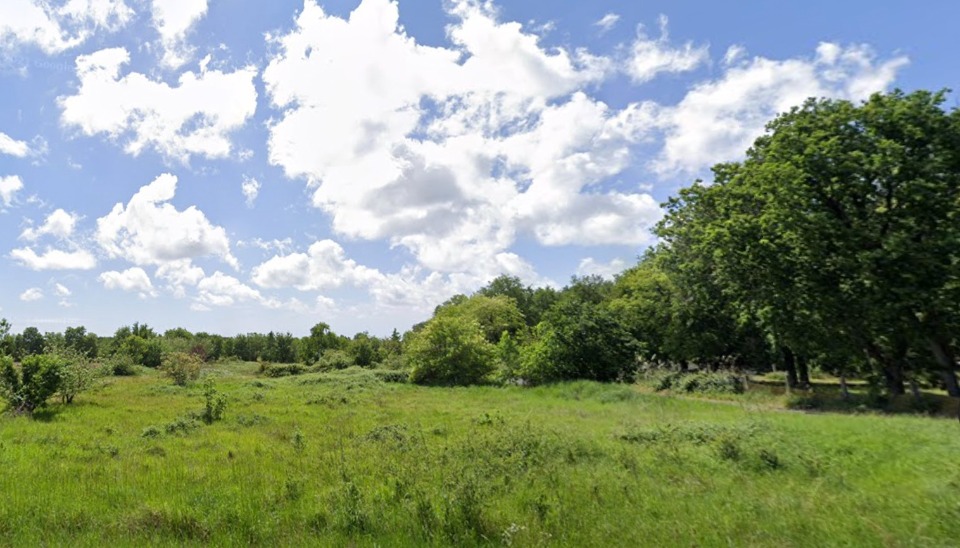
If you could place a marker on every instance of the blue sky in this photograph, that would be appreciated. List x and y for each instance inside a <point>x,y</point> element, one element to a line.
<point>233,166</point>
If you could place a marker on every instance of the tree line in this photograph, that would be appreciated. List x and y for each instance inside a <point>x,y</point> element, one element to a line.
<point>834,245</point>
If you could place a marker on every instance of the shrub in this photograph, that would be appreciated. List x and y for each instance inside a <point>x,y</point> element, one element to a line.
<point>450,350</point>
<point>182,367</point>
<point>78,375</point>
<point>390,375</point>
<point>215,403</point>
<point>28,387</point>
<point>702,381</point>
<point>334,359</point>
<point>121,365</point>
<point>281,369</point>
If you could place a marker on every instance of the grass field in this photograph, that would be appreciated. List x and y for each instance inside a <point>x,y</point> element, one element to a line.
<point>347,459</point>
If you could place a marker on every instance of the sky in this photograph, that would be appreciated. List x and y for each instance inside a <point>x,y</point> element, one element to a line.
<point>229,166</point>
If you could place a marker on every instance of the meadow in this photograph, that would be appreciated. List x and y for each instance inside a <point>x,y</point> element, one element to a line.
<point>350,458</point>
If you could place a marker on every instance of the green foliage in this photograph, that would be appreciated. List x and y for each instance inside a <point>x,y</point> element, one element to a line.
<point>147,352</point>
<point>27,388</point>
<point>579,339</point>
<point>335,359</point>
<point>215,403</point>
<point>450,350</point>
<point>78,374</point>
<point>181,367</point>
<point>268,369</point>
<point>495,315</point>
<point>719,382</point>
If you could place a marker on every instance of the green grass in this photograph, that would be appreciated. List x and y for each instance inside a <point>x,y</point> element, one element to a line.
<point>347,459</point>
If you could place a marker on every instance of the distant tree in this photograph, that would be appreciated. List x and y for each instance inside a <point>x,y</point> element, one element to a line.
<point>31,342</point>
<point>81,342</point>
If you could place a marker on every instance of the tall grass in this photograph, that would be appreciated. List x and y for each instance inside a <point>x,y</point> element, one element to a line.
<point>345,458</point>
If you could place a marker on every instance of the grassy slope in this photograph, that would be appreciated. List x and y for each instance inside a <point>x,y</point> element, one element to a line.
<point>334,459</point>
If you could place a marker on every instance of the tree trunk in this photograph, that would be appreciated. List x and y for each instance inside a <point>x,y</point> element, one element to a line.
<point>790,366</point>
<point>844,390</point>
<point>948,366</point>
<point>803,371</point>
<point>891,370</point>
<point>893,374</point>
<point>915,390</point>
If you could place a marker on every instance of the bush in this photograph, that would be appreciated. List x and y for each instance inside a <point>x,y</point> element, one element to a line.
<point>182,367</point>
<point>78,375</point>
<point>390,375</point>
<point>702,381</point>
<point>121,365</point>
<point>215,403</point>
<point>334,359</point>
<point>28,387</point>
<point>450,350</point>
<point>281,369</point>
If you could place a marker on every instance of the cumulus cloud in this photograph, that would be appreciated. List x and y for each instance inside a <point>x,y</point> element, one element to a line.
<point>220,289</point>
<point>13,147</point>
<point>717,120</point>
<point>9,186</point>
<point>54,259</point>
<point>650,57</point>
<point>193,118</point>
<point>250,188</point>
<point>59,224</point>
<point>173,19</point>
<point>607,22</point>
<point>592,267</point>
<point>323,266</point>
<point>62,290</point>
<point>148,230</point>
<point>131,279</point>
<point>451,152</point>
<point>55,27</point>
<point>32,294</point>
<point>179,275</point>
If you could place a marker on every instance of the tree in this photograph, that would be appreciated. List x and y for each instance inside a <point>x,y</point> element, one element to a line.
<point>449,350</point>
<point>579,338</point>
<point>838,232</point>
<point>78,340</point>
<point>495,315</point>
<point>31,342</point>
<point>28,387</point>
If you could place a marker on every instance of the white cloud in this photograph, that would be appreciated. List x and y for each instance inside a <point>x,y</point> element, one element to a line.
<point>13,147</point>
<point>57,27</point>
<point>326,266</point>
<point>323,266</point>
<point>151,231</point>
<point>9,186</point>
<point>173,19</point>
<point>54,259</point>
<point>607,22</point>
<point>195,117</point>
<point>59,224</point>
<point>131,279</point>
<point>179,275</point>
<point>62,290</point>
<point>650,57</point>
<point>590,266</point>
<point>32,294</point>
<point>718,120</point>
<point>250,188</point>
<point>223,290</point>
<point>451,152</point>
